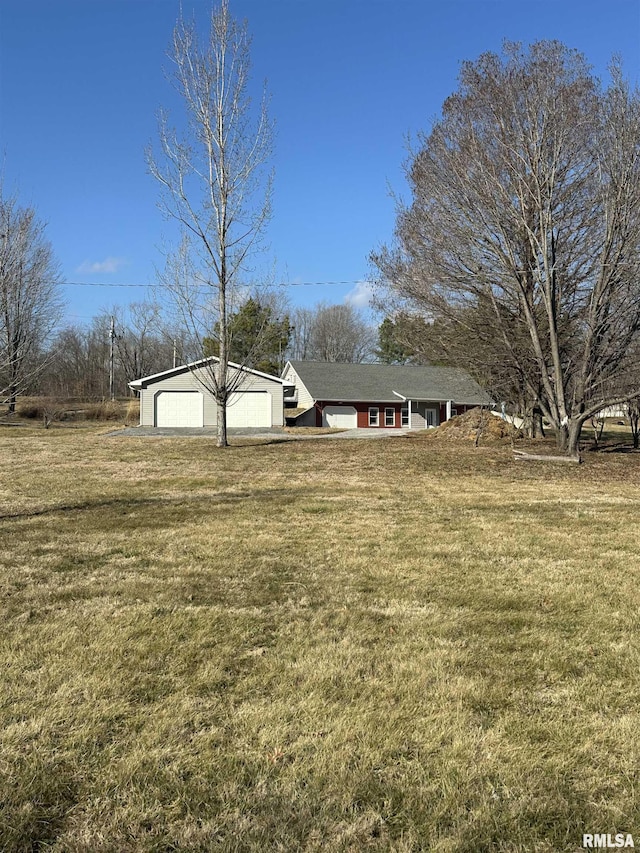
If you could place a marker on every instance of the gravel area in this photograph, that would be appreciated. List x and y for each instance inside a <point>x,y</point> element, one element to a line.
<point>274,433</point>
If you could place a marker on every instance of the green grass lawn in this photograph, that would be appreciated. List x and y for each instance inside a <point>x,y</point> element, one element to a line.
<point>317,646</point>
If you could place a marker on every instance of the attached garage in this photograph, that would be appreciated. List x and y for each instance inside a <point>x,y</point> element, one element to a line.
<point>180,397</point>
<point>345,417</point>
<point>249,409</point>
<point>179,409</point>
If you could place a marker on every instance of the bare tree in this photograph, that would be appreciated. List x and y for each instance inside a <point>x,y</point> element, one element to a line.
<point>67,373</point>
<point>301,331</point>
<point>471,342</point>
<point>214,185</point>
<point>525,225</point>
<point>30,302</point>
<point>633,412</point>
<point>335,333</point>
<point>78,357</point>
<point>140,344</point>
<point>340,334</point>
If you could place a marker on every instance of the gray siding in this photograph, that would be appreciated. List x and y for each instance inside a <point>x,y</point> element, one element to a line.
<point>415,421</point>
<point>419,414</point>
<point>307,418</point>
<point>188,381</point>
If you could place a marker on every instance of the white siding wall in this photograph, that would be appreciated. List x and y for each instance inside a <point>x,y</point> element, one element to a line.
<point>305,400</point>
<point>187,381</point>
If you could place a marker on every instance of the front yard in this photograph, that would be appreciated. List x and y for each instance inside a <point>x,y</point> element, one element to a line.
<point>321,646</point>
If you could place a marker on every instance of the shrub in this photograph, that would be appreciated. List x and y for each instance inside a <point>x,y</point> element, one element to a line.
<point>133,412</point>
<point>31,410</point>
<point>46,409</point>
<point>105,410</point>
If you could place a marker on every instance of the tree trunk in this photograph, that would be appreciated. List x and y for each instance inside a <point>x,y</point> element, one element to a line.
<point>562,437</point>
<point>568,436</point>
<point>520,455</point>
<point>575,428</point>
<point>634,423</point>
<point>222,425</point>
<point>13,396</point>
<point>536,424</point>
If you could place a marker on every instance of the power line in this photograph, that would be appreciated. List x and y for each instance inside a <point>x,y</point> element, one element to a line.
<point>277,284</point>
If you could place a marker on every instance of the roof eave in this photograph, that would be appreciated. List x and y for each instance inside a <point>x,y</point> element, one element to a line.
<point>190,366</point>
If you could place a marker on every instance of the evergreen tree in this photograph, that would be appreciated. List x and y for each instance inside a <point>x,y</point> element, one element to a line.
<point>390,350</point>
<point>257,337</point>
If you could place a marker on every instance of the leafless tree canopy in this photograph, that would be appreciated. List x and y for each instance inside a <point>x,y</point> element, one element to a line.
<point>30,302</point>
<point>523,234</point>
<point>341,335</point>
<point>335,333</point>
<point>213,184</point>
<point>78,357</point>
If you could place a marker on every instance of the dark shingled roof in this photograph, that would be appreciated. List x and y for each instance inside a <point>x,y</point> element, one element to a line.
<point>377,382</point>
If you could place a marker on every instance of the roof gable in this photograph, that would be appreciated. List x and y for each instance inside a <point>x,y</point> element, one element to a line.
<point>196,365</point>
<point>387,382</point>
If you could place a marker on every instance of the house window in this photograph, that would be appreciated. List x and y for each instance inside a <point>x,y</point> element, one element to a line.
<point>454,412</point>
<point>374,416</point>
<point>389,417</point>
<point>404,416</point>
<point>430,417</point>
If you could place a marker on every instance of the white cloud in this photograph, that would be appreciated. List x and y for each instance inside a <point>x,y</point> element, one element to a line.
<point>361,295</point>
<point>109,265</point>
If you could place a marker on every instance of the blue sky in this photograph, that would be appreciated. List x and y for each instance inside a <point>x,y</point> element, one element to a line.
<point>81,82</point>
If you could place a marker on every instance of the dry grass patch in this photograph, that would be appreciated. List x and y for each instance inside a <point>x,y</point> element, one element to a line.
<point>70,412</point>
<point>386,645</point>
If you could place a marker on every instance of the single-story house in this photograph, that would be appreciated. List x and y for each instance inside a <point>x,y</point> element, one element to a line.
<point>376,395</point>
<point>179,398</point>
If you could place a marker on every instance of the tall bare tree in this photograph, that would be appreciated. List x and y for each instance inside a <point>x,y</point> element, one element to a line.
<point>214,185</point>
<point>525,226</point>
<point>331,333</point>
<point>301,331</point>
<point>141,344</point>
<point>340,334</point>
<point>30,301</point>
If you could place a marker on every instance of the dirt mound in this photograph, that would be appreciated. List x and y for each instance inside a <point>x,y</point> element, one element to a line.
<point>477,425</point>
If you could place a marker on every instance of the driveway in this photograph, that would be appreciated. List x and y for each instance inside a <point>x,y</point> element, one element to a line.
<point>200,432</point>
<point>363,433</point>
<point>274,433</point>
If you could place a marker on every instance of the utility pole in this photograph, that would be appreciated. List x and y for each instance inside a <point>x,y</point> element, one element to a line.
<point>175,352</point>
<point>112,337</point>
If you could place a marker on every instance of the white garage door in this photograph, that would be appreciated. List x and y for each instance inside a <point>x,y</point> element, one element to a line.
<point>249,409</point>
<point>179,409</point>
<point>340,416</point>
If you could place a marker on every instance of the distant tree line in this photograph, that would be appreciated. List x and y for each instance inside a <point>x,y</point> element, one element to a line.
<point>78,357</point>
